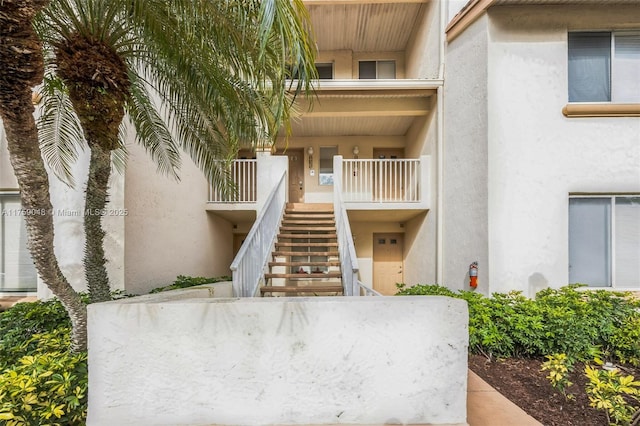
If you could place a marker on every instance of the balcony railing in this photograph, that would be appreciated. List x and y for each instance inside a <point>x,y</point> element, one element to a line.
<point>382,181</point>
<point>243,174</point>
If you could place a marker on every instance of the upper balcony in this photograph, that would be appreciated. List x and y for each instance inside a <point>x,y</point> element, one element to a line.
<point>373,187</point>
<point>399,39</point>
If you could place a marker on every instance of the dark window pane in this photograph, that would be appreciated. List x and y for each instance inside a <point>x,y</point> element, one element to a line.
<point>367,69</point>
<point>590,67</point>
<point>325,71</point>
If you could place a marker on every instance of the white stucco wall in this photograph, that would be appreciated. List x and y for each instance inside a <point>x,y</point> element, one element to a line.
<point>537,157</point>
<point>168,230</point>
<point>532,156</point>
<point>465,197</point>
<point>324,360</point>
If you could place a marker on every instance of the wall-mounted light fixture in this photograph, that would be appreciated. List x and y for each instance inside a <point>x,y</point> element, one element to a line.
<point>310,153</point>
<point>356,151</point>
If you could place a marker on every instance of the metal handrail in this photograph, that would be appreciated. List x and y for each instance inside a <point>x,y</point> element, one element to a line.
<point>251,261</point>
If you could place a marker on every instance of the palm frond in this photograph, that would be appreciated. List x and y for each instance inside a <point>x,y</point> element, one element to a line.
<point>59,129</point>
<point>151,129</point>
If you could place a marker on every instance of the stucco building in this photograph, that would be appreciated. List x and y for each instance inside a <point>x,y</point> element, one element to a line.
<point>508,134</point>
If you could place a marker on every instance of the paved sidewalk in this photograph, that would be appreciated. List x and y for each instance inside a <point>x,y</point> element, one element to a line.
<point>488,407</point>
<point>8,301</point>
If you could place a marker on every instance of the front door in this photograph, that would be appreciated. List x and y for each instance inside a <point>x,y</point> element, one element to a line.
<point>387,262</point>
<point>296,175</point>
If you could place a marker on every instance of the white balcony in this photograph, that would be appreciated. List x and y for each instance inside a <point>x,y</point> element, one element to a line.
<point>243,173</point>
<point>383,184</point>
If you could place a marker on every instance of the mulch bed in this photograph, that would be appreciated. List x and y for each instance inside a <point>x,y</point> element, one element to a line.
<point>521,381</point>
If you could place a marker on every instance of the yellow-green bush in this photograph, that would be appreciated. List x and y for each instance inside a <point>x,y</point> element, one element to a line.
<point>48,387</point>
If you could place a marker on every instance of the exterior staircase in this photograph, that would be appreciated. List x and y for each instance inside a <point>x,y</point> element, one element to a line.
<point>305,261</point>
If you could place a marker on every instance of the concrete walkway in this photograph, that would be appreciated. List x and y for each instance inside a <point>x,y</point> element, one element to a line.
<point>8,301</point>
<point>488,407</point>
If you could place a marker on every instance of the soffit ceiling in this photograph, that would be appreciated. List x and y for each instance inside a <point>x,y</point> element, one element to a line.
<point>368,113</point>
<point>377,27</point>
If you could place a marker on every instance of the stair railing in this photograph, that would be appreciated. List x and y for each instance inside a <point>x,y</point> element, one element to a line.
<point>250,263</point>
<point>346,248</point>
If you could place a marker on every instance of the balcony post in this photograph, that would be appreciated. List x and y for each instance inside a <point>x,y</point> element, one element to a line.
<point>425,172</point>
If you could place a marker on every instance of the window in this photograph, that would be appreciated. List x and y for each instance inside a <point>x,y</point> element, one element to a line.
<point>604,241</point>
<point>17,272</point>
<point>376,69</point>
<point>325,71</point>
<point>604,67</point>
<point>326,164</point>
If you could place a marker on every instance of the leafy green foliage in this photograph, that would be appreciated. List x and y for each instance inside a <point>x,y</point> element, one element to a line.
<point>616,394</point>
<point>183,281</point>
<point>46,387</point>
<point>565,320</point>
<point>559,366</point>
<point>24,320</point>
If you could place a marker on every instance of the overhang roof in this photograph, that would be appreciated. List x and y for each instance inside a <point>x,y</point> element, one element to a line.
<point>474,9</point>
<point>364,107</point>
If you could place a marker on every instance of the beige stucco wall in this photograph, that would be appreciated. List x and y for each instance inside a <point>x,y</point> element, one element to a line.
<point>424,48</point>
<point>465,202</point>
<point>168,231</point>
<point>421,231</point>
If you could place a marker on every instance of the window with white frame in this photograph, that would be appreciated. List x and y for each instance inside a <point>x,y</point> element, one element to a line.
<point>17,272</point>
<point>604,241</point>
<point>604,66</point>
<point>376,69</point>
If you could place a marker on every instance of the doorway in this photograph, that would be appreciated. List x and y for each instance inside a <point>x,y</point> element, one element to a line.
<point>296,174</point>
<point>387,262</point>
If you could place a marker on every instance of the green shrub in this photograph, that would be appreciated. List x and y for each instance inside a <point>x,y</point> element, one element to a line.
<point>24,320</point>
<point>564,320</point>
<point>183,281</point>
<point>616,394</point>
<point>46,387</point>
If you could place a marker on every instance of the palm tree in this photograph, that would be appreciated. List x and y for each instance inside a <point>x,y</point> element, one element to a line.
<point>22,69</point>
<point>204,76</point>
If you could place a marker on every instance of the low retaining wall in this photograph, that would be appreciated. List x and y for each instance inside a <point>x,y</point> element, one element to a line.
<point>323,360</point>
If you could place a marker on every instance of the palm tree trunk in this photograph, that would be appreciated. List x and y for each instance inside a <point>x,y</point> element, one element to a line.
<point>23,68</point>
<point>98,85</point>
<point>95,202</point>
